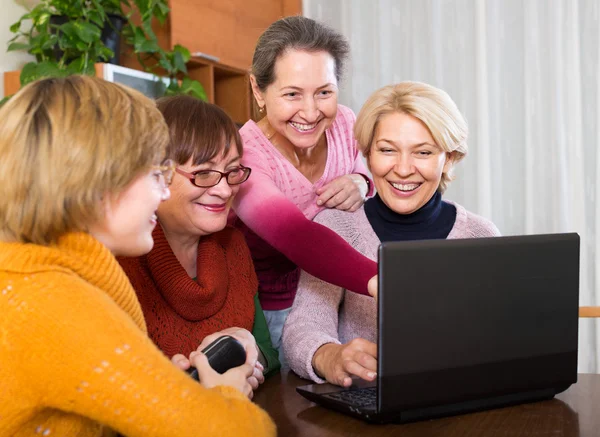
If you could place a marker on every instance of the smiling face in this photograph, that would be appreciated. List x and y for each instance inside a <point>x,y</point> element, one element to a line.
<point>195,211</point>
<point>130,216</point>
<point>302,101</point>
<point>406,163</point>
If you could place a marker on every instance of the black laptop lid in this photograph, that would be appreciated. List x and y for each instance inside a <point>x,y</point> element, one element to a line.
<point>476,318</point>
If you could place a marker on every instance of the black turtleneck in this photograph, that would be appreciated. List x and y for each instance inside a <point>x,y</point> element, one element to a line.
<point>433,220</point>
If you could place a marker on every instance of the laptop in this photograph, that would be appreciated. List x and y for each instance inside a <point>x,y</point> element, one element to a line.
<point>468,325</point>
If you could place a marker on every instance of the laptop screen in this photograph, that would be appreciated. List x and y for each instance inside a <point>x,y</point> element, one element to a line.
<point>465,319</point>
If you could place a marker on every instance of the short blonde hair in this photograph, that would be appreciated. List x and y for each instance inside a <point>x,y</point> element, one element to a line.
<point>64,144</point>
<point>431,105</point>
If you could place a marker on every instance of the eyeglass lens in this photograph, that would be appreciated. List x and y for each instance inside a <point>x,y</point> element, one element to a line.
<point>210,178</point>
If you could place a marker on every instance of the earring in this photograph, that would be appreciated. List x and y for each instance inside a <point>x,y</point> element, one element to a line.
<point>261,109</point>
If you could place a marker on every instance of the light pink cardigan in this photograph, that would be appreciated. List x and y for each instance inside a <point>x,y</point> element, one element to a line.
<point>318,316</point>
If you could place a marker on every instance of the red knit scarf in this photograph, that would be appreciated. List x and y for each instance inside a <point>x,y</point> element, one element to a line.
<point>179,311</point>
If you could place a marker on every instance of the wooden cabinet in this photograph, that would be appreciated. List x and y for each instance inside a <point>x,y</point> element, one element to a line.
<point>226,30</point>
<point>228,87</point>
<point>12,82</point>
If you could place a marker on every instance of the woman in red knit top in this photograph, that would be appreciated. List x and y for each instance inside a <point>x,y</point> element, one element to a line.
<point>198,282</point>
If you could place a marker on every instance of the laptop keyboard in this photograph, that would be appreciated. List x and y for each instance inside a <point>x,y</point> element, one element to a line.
<point>363,397</point>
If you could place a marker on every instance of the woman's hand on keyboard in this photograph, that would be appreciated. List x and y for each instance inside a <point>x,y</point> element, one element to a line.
<point>337,363</point>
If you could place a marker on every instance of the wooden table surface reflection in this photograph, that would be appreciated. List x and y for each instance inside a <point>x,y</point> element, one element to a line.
<point>575,412</point>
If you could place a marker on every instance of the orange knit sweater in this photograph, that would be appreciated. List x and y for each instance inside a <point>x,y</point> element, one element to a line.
<point>75,359</point>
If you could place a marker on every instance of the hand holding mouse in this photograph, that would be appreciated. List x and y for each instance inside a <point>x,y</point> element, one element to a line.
<point>245,338</point>
<point>236,377</point>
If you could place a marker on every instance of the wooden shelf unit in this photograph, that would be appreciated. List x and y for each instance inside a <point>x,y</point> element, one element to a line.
<point>228,87</point>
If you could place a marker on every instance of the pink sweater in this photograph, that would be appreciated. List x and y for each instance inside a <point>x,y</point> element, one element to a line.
<point>318,316</point>
<point>277,206</point>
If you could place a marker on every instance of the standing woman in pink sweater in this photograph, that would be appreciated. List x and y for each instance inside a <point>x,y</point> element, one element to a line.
<point>412,135</point>
<point>304,159</point>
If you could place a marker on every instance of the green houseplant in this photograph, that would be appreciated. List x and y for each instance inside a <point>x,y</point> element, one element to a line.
<point>65,36</point>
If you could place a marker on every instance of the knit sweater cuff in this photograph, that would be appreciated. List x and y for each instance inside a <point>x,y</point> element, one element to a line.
<point>370,186</point>
<point>310,371</point>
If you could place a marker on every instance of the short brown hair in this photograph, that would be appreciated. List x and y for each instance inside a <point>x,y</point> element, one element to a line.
<point>431,105</point>
<point>296,33</point>
<point>64,144</point>
<point>197,129</point>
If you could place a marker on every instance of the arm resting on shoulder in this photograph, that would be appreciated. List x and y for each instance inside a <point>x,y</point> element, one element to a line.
<point>313,247</point>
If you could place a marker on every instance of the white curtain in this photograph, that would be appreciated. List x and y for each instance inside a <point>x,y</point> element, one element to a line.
<point>526,75</point>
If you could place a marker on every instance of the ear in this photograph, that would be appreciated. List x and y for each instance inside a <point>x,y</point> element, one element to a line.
<point>260,101</point>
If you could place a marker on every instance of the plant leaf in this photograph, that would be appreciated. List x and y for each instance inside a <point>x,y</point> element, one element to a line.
<point>148,46</point>
<point>76,66</point>
<point>194,88</point>
<point>161,11</point>
<point>165,64</point>
<point>42,19</point>
<point>106,53</point>
<point>50,42</point>
<point>88,32</point>
<point>164,7</point>
<point>33,71</point>
<point>90,69</point>
<point>69,29</point>
<point>50,69</point>
<point>179,62</point>
<point>185,53</point>
<point>97,17</point>
<point>139,38</point>
<point>143,6</point>
<point>174,85</point>
<point>18,46</point>
<point>16,26</point>
<point>29,73</point>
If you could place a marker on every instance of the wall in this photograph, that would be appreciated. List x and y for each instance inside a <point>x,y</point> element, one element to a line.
<point>13,60</point>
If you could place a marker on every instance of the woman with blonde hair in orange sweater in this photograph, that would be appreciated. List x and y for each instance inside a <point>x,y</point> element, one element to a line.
<point>82,176</point>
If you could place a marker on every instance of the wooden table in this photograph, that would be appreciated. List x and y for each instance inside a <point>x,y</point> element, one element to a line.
<point>575,412</point>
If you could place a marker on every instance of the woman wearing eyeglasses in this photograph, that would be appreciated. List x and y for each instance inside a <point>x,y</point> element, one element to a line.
<point>198,282</point>
<point>81,178</point>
